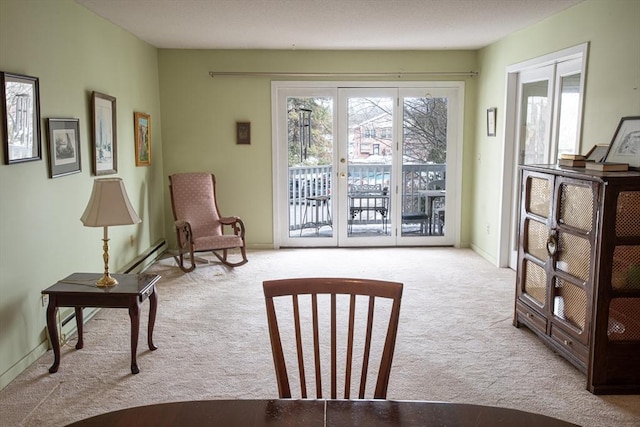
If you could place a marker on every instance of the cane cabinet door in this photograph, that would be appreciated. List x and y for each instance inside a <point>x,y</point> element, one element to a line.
<point>533,275</point>
<point>571,244</point>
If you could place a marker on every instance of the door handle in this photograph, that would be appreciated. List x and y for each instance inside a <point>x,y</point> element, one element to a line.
<point>552,245</point>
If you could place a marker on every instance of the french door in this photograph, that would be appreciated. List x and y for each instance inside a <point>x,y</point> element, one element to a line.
<point>366,166</point>
<point>544,101</point>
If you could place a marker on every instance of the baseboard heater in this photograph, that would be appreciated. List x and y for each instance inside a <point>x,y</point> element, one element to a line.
<point>140,263</point>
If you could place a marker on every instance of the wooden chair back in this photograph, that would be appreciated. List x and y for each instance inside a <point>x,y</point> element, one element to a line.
<point>379,314</point>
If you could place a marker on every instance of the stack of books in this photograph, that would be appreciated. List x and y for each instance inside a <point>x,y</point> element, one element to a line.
<point>572,160</point>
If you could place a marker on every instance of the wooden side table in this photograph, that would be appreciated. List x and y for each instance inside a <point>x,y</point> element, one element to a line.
<point>79,290</point>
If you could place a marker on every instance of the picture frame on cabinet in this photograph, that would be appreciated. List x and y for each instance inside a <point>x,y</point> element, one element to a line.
<point>64,147</point>
<point>625,145</point>
<point>142,134</point>
<point>20,99</point>
<point>104,138</point>
<point>597,153</point>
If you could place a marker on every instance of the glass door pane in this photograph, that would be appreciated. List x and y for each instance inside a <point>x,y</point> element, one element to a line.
<point>535,122</point>
<point>424,164</point>
<point>569,114</point>
<point>369,160</point>
<point>367,146</point>
<point>310,166</point>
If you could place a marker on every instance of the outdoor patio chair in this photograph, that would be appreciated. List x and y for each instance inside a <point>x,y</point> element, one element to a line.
<point>199,225</point>
<point>437,209</point>
<point>320,333</point>
<point>367,200</point>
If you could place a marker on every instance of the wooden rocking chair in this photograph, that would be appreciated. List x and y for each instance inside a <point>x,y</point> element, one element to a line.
<point>198,223</point>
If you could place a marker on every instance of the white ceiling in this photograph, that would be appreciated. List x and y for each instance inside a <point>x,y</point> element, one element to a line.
<point>324,24</point>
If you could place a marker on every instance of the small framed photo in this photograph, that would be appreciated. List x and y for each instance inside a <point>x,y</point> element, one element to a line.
<point>105,148</point>
<point>64,147</point>
<point>491,122</point>
<point>20,98</point>
<point>625,146</point>
<point>243,133</point>
<point>142,133</point>
<point>597,153</point>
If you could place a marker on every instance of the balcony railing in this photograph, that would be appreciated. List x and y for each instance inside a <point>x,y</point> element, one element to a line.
<point>308,186</point>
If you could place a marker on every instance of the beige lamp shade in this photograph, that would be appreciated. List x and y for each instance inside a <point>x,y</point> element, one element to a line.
<point>109,205</point>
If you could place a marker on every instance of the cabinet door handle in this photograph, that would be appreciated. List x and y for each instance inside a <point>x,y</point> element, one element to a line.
<point>552,245</point>
<point>567,342</point>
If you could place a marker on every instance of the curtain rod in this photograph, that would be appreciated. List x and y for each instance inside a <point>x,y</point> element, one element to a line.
<point>384,74</point>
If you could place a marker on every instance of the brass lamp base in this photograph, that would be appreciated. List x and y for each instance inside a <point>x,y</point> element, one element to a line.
<point>106,281</point>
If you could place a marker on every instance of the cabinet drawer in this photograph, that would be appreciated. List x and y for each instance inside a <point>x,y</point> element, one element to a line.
<point>569,342</point>
<point>531,317</point>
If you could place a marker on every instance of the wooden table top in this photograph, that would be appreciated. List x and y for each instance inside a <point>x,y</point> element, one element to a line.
<point>310,412</point>
<point>85,283</point>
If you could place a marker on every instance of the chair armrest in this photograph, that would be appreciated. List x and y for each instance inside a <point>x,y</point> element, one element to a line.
<point>229,220</point>
<point>236,223</point>
<point>183,230</point>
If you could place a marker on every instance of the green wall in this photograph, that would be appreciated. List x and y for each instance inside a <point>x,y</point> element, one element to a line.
<point>612,91</point>
<point>73,52</point>
<point>199,116</point>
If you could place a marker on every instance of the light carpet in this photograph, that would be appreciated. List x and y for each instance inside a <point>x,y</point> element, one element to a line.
<point>456,342</point>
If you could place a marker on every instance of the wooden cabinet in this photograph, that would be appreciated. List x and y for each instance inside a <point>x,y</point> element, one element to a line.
<point>578,279</point>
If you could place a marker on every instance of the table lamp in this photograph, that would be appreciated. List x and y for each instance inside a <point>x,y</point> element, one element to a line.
<point>108,206</point>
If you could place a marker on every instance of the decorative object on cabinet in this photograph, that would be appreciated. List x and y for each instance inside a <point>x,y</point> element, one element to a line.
<point>243,133</point>
<point>20,98</point>
<point>597,153</point>
<point>142,133</point>
<point>607,166</point>
<point>491,122</point>
<point>64,147</point>
<point>105,158</point>
<point>572,156</point>
<point>572,163</point>
<point>625,145</point>
<point>577,285</point>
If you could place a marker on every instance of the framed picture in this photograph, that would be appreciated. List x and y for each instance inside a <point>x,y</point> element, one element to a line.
<point>491,122</point>
<point>625,146</point>
<point>142,132</point>
<point>597,153</point>
<point>64,147</point>
<point>243,133</point>
<point>20,118</point>
<point>105,148</point>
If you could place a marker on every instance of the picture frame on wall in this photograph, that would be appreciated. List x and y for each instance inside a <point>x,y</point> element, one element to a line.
<point>243,133</point>
<point>142,134</point>
<point>491,122</point>
<point>104,141</point>
<point>625,145</point>
<point>64,147</point>
<point>20,99</point>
